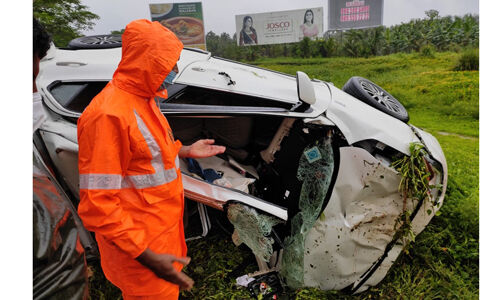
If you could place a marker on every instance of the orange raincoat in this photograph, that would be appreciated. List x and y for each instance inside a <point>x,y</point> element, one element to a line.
<point>131,191</point>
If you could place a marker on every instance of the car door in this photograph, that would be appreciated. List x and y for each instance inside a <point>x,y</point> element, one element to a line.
<point>265,91</point>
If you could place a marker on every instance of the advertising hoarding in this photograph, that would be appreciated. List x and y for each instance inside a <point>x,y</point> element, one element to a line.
<point>279,27</point>
<point>184,19</point>
<point>350,14</point>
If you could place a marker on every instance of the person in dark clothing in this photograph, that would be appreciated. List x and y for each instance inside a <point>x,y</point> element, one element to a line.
<point>59,265</point>
<point>41,44</point>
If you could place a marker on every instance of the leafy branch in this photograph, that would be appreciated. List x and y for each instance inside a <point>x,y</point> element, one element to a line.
<point>416,174</point>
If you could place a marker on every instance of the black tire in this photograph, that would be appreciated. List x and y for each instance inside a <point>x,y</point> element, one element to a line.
<point>373,95</point>
<point>104,41</point>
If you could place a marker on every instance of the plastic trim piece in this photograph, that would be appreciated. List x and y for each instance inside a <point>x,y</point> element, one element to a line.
<point>214,109</point>
<point>202,191</point>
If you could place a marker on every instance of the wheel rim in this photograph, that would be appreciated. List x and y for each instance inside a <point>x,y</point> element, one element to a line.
<point>382,97</point>
<point>102,40</point>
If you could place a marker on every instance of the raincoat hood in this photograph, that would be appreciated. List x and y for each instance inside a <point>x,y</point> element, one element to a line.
<point>149,52</point>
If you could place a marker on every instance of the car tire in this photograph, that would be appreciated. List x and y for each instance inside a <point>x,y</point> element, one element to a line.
<point>104,41</point>
<point>373,95</point>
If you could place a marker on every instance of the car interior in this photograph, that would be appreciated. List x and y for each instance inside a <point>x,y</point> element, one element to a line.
<point>197,113</point>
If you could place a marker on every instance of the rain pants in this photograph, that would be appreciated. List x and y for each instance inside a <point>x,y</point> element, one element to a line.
<point>131,192</point>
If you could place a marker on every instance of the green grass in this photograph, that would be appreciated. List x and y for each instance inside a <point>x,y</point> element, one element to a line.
<point>436,97</point>
<point>444,260</point>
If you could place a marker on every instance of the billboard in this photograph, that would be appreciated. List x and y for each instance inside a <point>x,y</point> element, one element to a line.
<point>346,14</point>
<point>184,19</point>
<point>279,27</point>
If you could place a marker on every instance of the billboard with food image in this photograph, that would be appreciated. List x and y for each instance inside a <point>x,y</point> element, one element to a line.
<point>184,19</point>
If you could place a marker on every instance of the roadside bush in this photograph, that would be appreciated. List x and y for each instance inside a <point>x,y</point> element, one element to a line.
<point>250,53</point>
<point>454,47</point>
<point>468,61</point>
<point>304,48</point>
<point>328,47</point>
<point>428,51</point>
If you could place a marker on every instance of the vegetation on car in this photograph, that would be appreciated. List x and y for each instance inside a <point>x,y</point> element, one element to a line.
<point>415,174</point>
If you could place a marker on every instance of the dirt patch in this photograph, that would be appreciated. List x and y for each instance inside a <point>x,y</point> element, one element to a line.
<point>457,135</point>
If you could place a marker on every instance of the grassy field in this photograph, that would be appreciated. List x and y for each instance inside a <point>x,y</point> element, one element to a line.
<point>444,261</point>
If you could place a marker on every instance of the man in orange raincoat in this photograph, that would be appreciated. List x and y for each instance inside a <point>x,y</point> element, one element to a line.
<point>131,192</point>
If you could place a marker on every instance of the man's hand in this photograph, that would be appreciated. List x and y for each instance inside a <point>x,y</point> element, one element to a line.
<point>201,149</point>
<point>162,265</point>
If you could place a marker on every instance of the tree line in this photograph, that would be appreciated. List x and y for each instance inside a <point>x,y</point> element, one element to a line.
<point>66,19</point>
<point>433,33</point>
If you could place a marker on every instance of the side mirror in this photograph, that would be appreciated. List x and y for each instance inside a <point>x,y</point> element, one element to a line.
<point>305,88</point>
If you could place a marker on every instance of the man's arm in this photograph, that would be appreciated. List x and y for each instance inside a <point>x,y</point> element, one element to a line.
<point>201,149</point>
<point>162,266</point>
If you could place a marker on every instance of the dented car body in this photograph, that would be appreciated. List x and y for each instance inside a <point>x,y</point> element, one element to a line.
<point>306,181</point>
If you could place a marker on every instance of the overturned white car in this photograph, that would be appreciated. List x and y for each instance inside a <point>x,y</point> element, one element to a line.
<point>307,180</point>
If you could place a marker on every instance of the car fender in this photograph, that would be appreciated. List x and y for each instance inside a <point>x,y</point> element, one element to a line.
<point>358,121</point>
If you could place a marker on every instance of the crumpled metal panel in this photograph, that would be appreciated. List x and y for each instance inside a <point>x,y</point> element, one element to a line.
<point>356,225</point>
<point>59,267</point>
<point>422,218</point>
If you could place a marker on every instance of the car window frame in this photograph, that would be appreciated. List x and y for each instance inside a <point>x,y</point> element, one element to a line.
<point>59,109</point>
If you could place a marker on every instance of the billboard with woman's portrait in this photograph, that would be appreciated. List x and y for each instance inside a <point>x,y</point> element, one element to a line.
<point>279,27</point>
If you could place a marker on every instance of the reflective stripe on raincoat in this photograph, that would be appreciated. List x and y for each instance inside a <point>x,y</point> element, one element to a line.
<point>131,191</point>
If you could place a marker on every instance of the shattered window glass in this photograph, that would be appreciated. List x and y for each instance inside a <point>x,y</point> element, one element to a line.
<point>315,170</point>
<point>253,229</point>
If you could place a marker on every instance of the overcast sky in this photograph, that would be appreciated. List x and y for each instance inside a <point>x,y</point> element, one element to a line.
<point>219,15</point>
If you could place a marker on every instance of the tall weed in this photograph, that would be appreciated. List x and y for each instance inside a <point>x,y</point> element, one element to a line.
<point>468,61</point>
